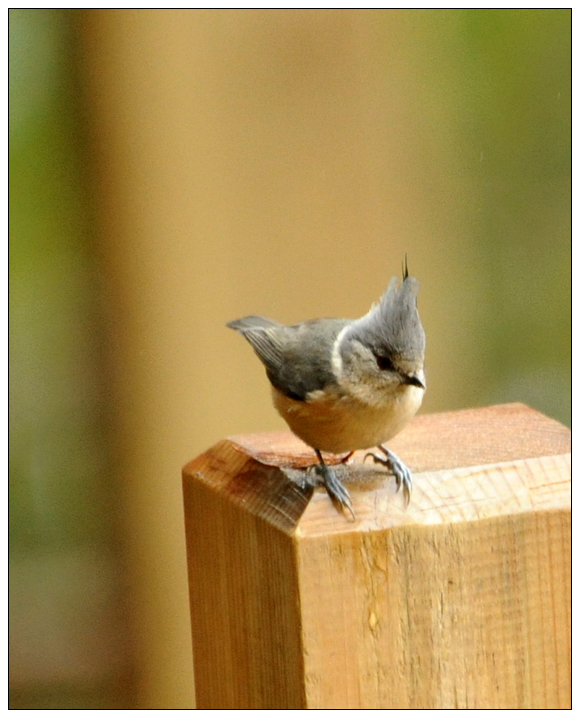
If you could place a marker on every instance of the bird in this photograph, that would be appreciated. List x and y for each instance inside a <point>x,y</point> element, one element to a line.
<point>343,385</point>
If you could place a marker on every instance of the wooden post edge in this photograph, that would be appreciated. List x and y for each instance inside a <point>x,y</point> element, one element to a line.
<point>460,600</point>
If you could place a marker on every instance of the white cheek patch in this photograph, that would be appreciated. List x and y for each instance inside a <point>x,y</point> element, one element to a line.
<point>336,359</point>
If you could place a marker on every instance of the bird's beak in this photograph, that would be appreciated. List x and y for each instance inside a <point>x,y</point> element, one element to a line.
<point>415,380</point>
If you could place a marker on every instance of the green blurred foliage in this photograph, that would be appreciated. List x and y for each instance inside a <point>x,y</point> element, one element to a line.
<point>65,594</point>
<point>518,84</point>
<point>58,449</point>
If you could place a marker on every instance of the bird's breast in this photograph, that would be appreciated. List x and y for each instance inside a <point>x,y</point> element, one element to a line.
<point>337,423</point>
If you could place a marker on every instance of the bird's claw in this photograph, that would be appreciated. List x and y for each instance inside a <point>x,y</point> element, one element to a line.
<point>400,470</point>
<point>336,490</point>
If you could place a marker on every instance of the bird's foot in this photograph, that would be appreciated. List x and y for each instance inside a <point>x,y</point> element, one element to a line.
<point>338,493</point>
<point>400,470</point>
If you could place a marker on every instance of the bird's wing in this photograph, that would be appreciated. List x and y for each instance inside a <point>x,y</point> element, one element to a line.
<point>297,358</point>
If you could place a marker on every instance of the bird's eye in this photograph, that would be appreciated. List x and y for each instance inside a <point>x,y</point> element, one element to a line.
<point>385,364</point>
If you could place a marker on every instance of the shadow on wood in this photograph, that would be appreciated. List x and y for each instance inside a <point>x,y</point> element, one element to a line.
<point>460,600</point>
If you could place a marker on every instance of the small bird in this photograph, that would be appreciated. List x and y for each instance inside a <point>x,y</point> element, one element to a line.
<point>344,384</point>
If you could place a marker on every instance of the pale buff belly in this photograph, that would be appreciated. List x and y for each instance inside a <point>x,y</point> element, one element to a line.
<point>338,425</point>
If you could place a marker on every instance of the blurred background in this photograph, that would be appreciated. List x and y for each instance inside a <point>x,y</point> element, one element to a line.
<point>171,170</point>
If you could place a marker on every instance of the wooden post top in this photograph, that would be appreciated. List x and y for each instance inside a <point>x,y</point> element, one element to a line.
<point>467,465</point>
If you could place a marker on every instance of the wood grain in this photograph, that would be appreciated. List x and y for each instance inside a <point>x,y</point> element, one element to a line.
<point>460,600</point>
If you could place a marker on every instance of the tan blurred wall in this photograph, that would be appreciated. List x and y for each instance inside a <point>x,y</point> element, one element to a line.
<point>269,161</point>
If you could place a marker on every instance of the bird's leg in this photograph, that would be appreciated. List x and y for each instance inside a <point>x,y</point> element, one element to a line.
<point>399,469</point>
<point>346,458</point>
<point>337,492</point>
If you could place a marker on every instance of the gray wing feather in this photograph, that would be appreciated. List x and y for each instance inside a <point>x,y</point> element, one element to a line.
<point>265,336</point>
<point>253,321</point>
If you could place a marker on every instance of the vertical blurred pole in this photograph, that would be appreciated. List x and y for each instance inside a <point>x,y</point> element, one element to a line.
<point>132,125</point>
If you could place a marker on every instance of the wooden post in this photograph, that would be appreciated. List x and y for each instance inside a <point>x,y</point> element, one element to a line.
<point>460,600</point>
